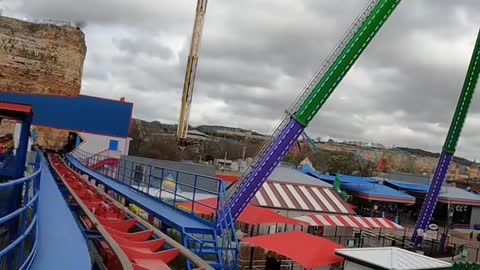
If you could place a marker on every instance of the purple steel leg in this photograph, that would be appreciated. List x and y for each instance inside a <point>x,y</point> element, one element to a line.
<point>432,196</point>
<point>267,163</point>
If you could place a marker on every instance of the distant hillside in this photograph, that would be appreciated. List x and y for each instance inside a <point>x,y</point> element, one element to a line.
<point>216,129</point>
<point>153,136</point>
<point>157,140</point>
<point>420,152</point>
<point>156,127</point>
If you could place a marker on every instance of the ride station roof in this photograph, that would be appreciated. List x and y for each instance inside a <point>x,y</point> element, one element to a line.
<point>318,252</point>
<point>350,222</point>
<point>306,169</point>
<point>364,187</point>
<point>447,194</point>
<point>378,192</point>
<point>390,258</point>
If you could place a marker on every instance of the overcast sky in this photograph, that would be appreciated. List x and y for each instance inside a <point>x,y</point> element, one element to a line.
<point>257,55</point>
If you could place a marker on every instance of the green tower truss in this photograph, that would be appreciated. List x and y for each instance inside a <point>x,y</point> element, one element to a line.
<point>465,100</point>
<point>344,62</point>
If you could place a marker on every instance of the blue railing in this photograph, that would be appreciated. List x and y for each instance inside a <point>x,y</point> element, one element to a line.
<point>19,245</point>
<point>174,187</point>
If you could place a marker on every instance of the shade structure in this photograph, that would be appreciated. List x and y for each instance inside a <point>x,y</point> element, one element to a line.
<point>201,207</point>
<point>255,215</point>
<point>308,250</point>
<point>252,215</point>
<point>350,221</point>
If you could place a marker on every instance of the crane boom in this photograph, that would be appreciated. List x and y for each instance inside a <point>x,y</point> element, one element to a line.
<point>188,84</point>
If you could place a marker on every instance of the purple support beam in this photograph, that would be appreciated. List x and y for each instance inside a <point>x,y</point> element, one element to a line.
<point>432,196</point>
<point>260,174</point>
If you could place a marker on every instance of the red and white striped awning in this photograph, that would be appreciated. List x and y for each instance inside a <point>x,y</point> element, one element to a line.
<point>350,221</point>
<point>282,195</point>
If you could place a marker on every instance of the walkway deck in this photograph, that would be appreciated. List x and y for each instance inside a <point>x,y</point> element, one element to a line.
<point>61,244</point>
<point>167,214</point>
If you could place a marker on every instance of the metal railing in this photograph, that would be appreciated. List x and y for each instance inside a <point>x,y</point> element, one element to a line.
<point>184,190</point>
<point>19,246</point>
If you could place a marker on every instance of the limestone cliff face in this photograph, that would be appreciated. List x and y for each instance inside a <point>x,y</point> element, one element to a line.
<point>40,58</point>
<point>52,138</point>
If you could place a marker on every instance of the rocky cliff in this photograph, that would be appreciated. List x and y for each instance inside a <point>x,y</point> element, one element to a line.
<point>40,58</point>
<point>43,59</point>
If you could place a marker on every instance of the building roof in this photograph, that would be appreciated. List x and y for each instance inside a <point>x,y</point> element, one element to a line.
<point>318,252</point>
<point>364,187</point>
<point>406,186</point>
<point>299,197</point>
<point>459,196</point>
<point>283,174</point>
<point>377,192</point>
<point>447,194</point>
<point>331,178</point>
<point>81,113</point>
<point>391,258</point>
<point>349,221</point>
<point>286,174</point>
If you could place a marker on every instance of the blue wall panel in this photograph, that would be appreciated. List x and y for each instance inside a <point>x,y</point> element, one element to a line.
<point>82,113</point>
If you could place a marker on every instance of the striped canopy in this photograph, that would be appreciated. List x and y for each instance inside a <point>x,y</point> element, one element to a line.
<point>350,221</point>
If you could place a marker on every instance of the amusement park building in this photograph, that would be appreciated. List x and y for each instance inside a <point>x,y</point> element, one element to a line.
<point>98,125</point>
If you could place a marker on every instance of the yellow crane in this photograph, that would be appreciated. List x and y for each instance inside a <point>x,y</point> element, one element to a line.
<point>182,130</point>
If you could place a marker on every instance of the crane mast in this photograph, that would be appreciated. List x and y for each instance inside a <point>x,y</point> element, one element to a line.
<point>188,84</point>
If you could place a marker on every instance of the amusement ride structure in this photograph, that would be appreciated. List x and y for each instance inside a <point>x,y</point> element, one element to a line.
<point>93,185</point>
<point>312,98</point>
<point>449,146</point>
<point>191,70</point>
<point>217,237</point>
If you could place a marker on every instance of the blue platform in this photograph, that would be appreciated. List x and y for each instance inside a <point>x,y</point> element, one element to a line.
<point>170,216</point>
<point>61,244</point>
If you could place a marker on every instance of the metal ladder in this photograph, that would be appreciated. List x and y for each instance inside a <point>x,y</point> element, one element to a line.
<point>307,90</point>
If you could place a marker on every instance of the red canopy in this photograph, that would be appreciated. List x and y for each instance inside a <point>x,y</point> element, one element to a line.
<point>252,215</point>
<point>255,215</point>
<point>228,178</point>
<point>308,250</point>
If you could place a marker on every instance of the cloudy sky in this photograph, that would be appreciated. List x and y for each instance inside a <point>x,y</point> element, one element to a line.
<point>257,55</point>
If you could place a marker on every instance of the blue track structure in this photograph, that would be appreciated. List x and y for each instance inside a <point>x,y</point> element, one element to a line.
<point>450,144</point>
<point>56,223</point>
<point>198,234</point>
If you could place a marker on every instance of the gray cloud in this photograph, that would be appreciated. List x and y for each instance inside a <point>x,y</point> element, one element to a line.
<point>257,55</point>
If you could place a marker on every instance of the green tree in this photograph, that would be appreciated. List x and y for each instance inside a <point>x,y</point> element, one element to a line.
<point>346,163</point>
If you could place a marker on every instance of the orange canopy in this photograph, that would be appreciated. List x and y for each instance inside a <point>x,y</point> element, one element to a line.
<point>252,215</point>
<point>308,250</point>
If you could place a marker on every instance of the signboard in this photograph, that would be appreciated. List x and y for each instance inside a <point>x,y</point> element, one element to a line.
<point>351,243</point>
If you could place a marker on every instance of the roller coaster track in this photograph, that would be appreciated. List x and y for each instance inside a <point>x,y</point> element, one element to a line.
<point>119,247</point>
